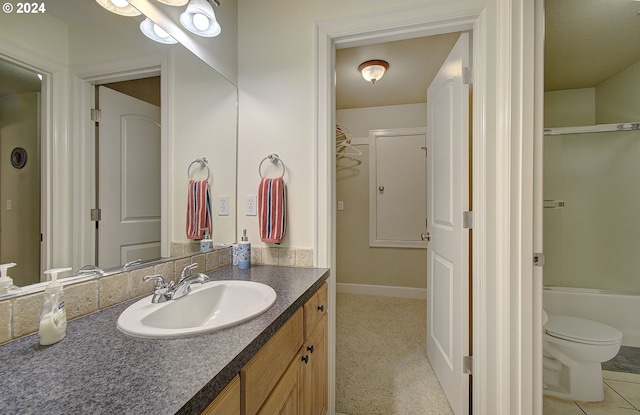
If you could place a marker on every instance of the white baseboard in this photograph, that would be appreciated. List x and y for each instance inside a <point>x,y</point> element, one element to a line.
<point>382,290</point>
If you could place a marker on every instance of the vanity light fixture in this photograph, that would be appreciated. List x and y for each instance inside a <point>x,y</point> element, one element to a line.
<point>121,7</point>
<point>373,70</point>
<point>155,32</point>
<point>174,2</point>
<point>200,19</point>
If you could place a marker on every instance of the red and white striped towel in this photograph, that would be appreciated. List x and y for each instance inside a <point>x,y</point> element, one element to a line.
<point>198,209</point>
<point>272,209</point>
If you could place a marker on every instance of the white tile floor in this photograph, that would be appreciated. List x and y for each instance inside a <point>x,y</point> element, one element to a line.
<point>621,396</point>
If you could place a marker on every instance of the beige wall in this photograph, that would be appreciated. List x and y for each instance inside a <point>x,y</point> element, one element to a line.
<point>618,98</point>
<point>20,226</point>
<point>592,242</point>
<point>276,78</point>
<point>569,108</point>
<point>356,262</point>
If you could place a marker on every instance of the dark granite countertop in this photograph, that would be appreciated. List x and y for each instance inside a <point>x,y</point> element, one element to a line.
<point>96,369</point>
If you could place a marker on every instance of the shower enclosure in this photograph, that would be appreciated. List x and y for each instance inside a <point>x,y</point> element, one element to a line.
<point>592,223</point>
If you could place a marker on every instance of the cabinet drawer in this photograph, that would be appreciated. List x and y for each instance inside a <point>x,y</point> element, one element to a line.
<point>314,309</point>
<point>227,402</point>
<point>263,371</point>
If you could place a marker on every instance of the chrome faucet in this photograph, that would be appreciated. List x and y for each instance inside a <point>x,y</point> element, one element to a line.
<point>184,287</point>
<point>172,291</point>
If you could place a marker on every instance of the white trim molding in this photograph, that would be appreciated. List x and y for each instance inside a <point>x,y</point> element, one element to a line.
<point>382,290</point>
<point>502,130</point>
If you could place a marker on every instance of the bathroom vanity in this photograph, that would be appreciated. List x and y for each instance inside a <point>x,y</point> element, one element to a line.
<point>276,360</point>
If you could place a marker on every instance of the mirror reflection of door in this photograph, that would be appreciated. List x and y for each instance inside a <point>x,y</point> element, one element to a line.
<point>20,126</point>
<point>128,169</point>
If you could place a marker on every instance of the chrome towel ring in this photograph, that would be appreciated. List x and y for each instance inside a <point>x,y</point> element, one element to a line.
<point>274,159</point>
<point>204,164</point>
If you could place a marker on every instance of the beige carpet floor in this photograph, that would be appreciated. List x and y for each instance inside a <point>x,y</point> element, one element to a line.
<point>381,362</point>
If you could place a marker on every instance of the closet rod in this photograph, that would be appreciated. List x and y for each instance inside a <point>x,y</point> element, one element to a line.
<point>599,128</point>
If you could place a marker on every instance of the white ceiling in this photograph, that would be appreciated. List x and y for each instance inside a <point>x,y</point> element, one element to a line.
<point>75,11</point>
<point>586,42</point>
<point>589,41</point>
<point>413,64</point>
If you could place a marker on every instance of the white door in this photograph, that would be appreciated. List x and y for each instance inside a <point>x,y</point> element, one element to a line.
<point>448,249</point>
<point>129,179</point>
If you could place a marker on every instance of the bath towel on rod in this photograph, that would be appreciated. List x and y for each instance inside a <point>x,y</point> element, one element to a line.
<point>272,209</point>
<point>198,209</point>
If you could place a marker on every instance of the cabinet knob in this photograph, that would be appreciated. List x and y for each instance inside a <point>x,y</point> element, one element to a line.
<point>305,358</point>
<point>321,308</point>
<point>310,348</point>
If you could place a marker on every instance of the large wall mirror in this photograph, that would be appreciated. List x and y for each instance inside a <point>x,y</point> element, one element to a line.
<point>57,165</point>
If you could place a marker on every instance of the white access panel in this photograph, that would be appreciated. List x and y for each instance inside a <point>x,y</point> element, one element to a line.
<point>397,186</point>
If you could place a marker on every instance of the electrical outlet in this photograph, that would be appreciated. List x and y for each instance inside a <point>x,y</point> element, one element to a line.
<point>340,205</point>
<point>9,204</point>
<point>223,205</point>
<point>251,208</point>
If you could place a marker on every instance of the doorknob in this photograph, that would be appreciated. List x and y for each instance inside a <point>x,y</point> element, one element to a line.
<point>425,236</point>
<point>381,188</point>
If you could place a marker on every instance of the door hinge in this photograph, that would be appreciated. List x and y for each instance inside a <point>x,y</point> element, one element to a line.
<point>96,215</point>
<point>467,75</point>
<point>538,259</point>
<point>467,365</point>
<point>95,115</point>
<point>467,219</point>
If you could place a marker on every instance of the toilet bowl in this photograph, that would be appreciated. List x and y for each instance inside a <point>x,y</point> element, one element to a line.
<point>574,349</point>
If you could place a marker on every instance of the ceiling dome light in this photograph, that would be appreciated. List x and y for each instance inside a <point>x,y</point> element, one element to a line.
<point>121,7</point>
<point>373,70</point>
<point>200,19</point>
<point>155,32</point>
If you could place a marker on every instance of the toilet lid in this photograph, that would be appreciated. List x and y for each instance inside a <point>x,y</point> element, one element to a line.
<point>581,331</point>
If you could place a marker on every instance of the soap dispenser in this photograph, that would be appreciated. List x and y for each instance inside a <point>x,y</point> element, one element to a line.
<point>53,319</point>
<point>6,283</point>
<point>244,251</point>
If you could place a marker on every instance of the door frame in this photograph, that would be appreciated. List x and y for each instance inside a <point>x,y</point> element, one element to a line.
<point>505,347</point>
<point>84,79</point>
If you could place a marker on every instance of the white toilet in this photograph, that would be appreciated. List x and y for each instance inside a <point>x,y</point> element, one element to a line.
<point>574,349</point>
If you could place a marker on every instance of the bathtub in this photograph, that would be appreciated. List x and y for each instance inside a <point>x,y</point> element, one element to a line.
<point>618,310</point>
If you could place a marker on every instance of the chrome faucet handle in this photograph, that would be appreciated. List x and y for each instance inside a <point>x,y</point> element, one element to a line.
<point>157,278</point>
<point>90,269</point>
<point>185,271</point>
<point>161,292</point>
<point>130,264</point>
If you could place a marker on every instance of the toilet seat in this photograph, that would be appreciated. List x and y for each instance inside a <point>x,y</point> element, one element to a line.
<point>581,331</point>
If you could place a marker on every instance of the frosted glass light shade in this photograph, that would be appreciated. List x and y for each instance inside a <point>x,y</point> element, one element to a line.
<point>121,7</point>
<point>200,19</point>
<point>155,32</point>
<point>174,2</point>
<point>373,70</point>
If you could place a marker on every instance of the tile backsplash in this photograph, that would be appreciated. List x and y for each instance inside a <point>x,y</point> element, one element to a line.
<point>20,316</point>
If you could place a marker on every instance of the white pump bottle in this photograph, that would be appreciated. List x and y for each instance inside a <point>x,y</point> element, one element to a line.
<point>53,319</point>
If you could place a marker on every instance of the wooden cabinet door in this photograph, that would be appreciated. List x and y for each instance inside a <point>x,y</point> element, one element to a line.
<point>314,370</point>
<point>286,395</point>
<point>314,310</point>
<point>227,402</point>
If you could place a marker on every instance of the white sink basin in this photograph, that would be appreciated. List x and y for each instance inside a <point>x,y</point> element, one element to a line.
<point>208,307</point>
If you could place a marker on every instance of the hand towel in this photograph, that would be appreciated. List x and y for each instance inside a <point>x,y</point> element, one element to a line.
<point>272,209</point>
<point>198,209</point>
